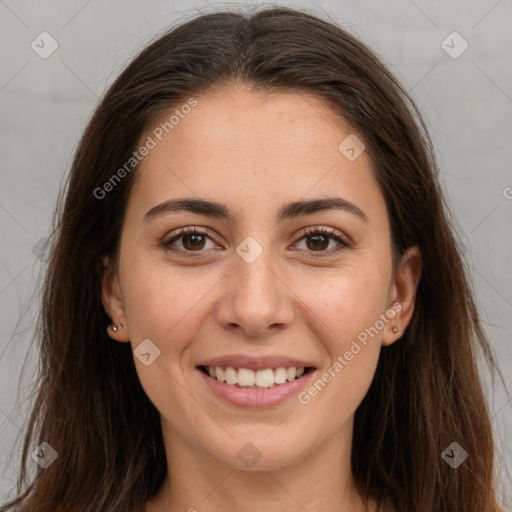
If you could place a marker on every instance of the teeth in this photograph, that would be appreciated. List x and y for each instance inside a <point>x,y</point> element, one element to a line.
<point>244,377</point>
<point>265,378</point>
<point>219,373</point>
<point>291,373</point>
<point>280,375</point>
<point>231,375</point>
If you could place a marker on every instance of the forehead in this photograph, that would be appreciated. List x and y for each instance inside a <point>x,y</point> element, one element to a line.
<point>235,123</point>
<point>252,149</point>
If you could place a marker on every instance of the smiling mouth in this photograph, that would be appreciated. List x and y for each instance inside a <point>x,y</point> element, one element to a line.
<point>245,378</point>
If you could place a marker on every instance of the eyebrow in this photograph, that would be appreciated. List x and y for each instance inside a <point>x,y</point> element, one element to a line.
<point>219,211</point>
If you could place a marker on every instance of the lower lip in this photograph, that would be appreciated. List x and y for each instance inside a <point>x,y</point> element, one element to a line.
<point>256,397</point>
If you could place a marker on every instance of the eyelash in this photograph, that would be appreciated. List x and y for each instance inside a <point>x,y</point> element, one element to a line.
<point>309,232</point>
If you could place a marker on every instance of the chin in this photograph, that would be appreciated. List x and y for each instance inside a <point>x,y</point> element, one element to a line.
<point>251,453</point>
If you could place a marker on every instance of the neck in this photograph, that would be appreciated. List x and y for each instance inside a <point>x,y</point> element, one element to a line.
<point>319,481</point>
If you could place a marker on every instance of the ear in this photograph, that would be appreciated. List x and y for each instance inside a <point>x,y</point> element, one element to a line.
<point>113,302</point>
<point>402,294</point>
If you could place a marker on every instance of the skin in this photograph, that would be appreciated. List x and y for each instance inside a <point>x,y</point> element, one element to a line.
<point>254,152</point>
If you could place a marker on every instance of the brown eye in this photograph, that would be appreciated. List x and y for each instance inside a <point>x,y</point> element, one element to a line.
<point>190,239</point>
<point>318,240</point>
<point>194,241</point>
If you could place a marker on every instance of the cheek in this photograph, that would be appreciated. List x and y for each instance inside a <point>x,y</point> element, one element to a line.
<point>343,302</point>
<point>168,307</point>
<point>166,304</point>
<point>346,316</point>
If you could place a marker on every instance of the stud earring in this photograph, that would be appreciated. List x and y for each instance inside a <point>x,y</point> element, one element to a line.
<point>395,329</point>
<point>113,327</point>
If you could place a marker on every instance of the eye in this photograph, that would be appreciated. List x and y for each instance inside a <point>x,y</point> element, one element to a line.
<point>318,240</point>
<point>192,240</point>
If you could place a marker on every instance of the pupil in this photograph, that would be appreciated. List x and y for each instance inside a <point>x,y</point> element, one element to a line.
<point>195,243</point>
<point>317,237</point>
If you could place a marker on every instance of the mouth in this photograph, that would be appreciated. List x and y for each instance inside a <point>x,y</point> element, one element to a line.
<point>246,378</point>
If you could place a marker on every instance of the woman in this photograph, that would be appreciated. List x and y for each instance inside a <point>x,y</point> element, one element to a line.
<point>254,299</point>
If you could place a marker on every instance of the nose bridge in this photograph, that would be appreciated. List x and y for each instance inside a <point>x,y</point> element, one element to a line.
<point>255,283</point>
<point>256,297</point>
<point>255,278</point>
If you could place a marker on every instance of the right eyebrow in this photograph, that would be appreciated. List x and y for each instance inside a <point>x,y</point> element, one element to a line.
<point>288,211</point>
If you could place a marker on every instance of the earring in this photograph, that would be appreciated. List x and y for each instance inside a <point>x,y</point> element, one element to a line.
<point>395,329</point>
<point>113,327</point>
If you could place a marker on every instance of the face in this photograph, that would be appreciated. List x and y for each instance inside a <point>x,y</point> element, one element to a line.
<point>273,279</point>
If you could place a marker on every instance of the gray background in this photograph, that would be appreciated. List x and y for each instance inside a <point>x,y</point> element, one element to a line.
<point>45,103</point>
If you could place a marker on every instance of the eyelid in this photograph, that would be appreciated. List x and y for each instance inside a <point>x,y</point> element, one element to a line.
<point>342,240</point>
<point>188,230</point>
<point>325,230</point>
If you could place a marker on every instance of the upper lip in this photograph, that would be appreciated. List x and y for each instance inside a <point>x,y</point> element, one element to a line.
<point>256,363</point>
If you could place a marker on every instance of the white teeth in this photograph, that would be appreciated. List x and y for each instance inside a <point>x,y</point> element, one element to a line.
<point>219,373</point>
<point>265,378</point>
<point>280,375</point>
<point>245,377</point>
<point>231,375</point>
<point>291,373</point>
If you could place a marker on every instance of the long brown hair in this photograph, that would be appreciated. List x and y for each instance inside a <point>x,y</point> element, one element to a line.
<point>427,391</point>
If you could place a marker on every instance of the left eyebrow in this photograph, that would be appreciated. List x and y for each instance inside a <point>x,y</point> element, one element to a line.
<point>299,208</point>
<point>288,211</point>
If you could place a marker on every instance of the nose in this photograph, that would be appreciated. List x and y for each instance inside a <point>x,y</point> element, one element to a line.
<point>256,300</point>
